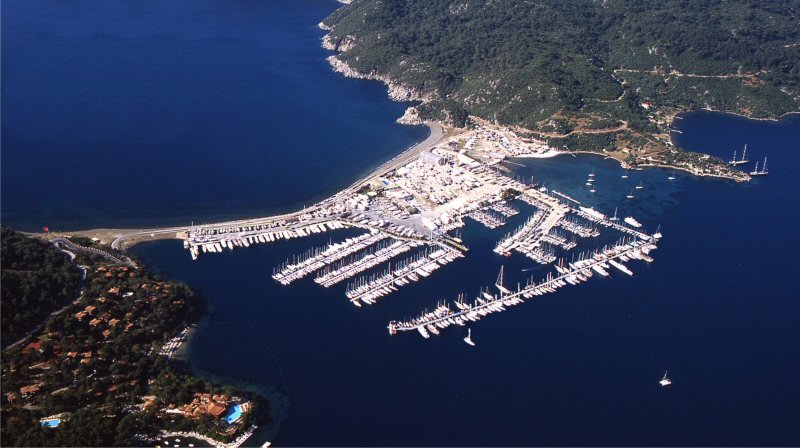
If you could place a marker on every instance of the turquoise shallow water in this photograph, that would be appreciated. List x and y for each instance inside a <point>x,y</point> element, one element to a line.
<point>198,110</point>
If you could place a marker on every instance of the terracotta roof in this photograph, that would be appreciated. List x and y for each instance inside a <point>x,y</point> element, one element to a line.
<point>215,409</point>
<point>35,345</point>
<point>32,389</point>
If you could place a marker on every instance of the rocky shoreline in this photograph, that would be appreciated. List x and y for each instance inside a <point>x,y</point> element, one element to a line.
<point>396,91</point>
<point>403,93</point>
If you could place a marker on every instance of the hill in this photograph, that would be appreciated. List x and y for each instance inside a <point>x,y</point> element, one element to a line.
<point>585,74</point>
<point>37,279</point>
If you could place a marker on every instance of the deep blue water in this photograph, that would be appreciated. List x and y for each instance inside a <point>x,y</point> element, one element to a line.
<point>133,113</point>
<point>718,307</point>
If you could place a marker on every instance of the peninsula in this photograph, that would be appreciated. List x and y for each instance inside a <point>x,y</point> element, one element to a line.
<point>605,77</point>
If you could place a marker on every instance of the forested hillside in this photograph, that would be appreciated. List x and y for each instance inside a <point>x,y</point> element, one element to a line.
<point>36,279</point>
<point>556,66</point>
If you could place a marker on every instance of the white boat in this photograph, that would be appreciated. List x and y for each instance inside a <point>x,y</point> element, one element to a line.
<point>633,222</point>
<point>640,186</point>
<point>614,218</point>
<point>468,339</point>
<point>763,171</point>
<point>742,161</point>
<point>665,381</point>
<point>630,195</point>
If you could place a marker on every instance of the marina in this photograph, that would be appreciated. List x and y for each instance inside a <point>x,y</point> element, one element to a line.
<point>572,273</point>
<point>421,203</point>
<point>665,316</point>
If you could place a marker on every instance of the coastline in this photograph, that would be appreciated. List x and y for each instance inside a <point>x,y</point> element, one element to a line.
<point>123,238</point>
<point>399,92</point>
<point>625,165</point>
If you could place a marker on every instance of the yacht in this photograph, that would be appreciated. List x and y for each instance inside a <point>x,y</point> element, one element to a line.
<point>763,171</point>
<point>665,381</point>
<point>742,161</point>
<point>630,220</point>
<point>468,339</point>
<point>630,195</point>
<point>640,186</point>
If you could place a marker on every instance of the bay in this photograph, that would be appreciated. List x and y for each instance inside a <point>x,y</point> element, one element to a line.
<point>156,113</point>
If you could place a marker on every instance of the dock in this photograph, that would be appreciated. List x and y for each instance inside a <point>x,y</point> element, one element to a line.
<point>444,316</point>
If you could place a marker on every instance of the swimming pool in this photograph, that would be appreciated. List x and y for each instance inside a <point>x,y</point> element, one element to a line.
<point>50,423</point>
<point>233,414</point>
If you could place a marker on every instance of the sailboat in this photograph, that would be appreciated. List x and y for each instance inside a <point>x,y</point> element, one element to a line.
<point>614,218</point>
<point>499,283</point>
<point>671,176</point>
<point>640,186</point>
<point>664,381</point>
<point>591,174</point>
<point>630,195</point>
<point>763,171</point>
<point>625,176</point>
<point>468,339</point>
<point>742,161</point>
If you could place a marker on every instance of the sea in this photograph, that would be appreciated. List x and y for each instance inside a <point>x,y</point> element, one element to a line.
<point>154,113</point>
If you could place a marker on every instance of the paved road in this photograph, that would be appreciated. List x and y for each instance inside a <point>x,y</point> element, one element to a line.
<point>58,242</point>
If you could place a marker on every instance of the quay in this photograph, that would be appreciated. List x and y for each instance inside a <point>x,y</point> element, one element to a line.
<point>414,201</point>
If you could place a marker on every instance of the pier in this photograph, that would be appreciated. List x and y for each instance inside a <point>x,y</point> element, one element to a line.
<point>417,200</point>
<point>576,272</point>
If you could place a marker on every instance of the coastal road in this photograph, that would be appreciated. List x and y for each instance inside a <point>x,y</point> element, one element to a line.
<point>58,242</point>
<point>121,239</point>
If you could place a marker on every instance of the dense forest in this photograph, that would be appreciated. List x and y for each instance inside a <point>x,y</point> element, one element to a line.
<point>100,366</point>
<point>37,279</point>
<point>544,64</point>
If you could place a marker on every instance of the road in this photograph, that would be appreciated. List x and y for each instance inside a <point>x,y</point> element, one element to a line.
<point>58,242</point>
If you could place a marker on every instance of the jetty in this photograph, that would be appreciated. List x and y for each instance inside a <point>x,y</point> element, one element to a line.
<point>572,273</point>
<point>412,207</point>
